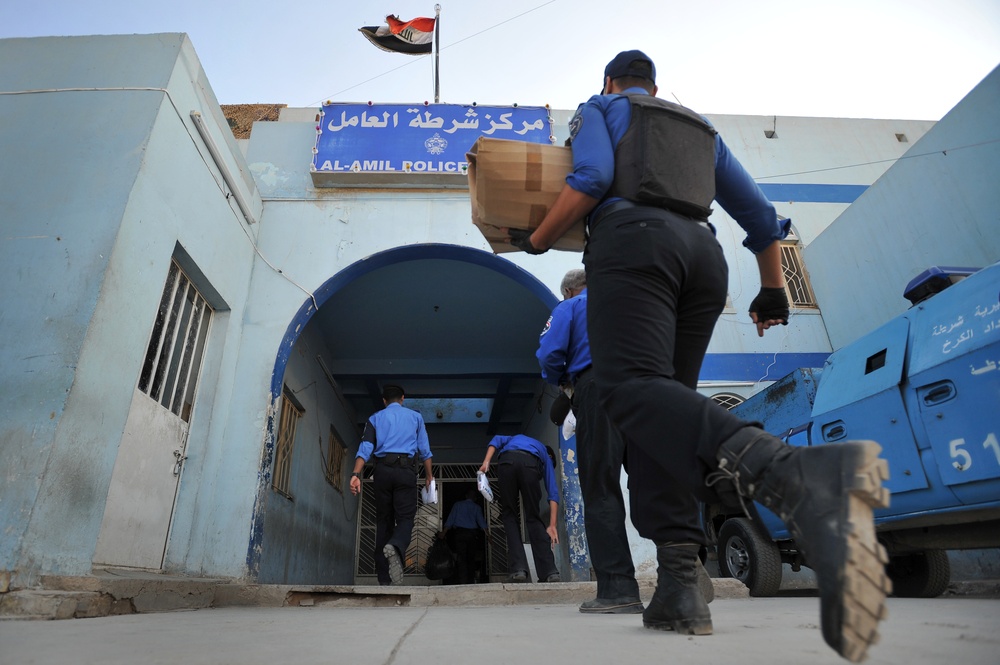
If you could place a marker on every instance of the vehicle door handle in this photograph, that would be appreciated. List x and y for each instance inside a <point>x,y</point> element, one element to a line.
<point>834,431</point>
<point>937,393</point>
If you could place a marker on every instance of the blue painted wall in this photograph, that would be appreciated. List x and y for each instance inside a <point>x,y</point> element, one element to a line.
<point>70,159</point>
<point>938,205</point>
<point>100,186</point>
<point>309,537</point>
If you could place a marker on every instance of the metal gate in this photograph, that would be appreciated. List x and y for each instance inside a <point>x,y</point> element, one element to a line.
<point>428,521</point>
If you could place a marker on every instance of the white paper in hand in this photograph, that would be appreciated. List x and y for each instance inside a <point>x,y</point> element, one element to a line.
<point>484,486</point>
<point>569,425</point>
<point>429,494</point>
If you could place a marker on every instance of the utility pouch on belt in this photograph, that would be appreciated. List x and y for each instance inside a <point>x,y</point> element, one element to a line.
<point>666,159</point>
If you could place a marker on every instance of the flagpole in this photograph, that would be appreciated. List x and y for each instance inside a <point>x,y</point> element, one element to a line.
<point>437,54</point>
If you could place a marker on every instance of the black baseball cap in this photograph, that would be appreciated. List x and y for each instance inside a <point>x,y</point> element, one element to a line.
<point>621,65</point>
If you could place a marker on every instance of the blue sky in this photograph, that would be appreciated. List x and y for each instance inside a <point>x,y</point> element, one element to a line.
<point>909,59</point>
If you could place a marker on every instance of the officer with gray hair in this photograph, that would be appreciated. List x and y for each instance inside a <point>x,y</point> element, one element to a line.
<point>564,356</point>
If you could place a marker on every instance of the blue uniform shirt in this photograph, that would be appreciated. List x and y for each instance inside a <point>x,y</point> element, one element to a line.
<point>563,347</point>
<point>466,515</point>
<point>529,445</point>
<point>394,429</point>
<point>599,125</point>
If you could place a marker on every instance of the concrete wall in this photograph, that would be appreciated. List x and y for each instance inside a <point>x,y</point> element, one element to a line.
<point>940,205</point>
<point>99,202</point>
<point>309,538</point>
<point>808,151</point>
<point>808,159</point>
<point>62,201</point>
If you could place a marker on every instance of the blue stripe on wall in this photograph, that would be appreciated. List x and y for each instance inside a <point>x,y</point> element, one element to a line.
<point>803,193</point>
<point>756,366</point>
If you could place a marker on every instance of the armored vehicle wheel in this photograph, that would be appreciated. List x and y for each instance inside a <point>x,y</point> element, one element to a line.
<point>748,555</point>
<point>923,574</point>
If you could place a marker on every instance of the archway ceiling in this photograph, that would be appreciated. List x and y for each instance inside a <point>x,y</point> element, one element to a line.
<point>460,338</point>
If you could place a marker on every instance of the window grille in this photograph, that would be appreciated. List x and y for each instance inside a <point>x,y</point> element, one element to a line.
<point>727,400</point>
<point>800,293</point>
<point>290,414</point>
<point>173,358</point>
<point>335,461</point>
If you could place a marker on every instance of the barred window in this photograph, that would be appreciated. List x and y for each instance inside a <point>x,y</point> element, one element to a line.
<point>335,461</point>
<point>291,411</point>
<point>727,400</point>
<point>800,293</point>
<point>173,358</point>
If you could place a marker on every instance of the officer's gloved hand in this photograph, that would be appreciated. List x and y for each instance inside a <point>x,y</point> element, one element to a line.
<point>771,304</point>
<point>522,240</point>
<point>560,409</point>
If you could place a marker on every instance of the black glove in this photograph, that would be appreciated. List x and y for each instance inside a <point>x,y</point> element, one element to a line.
<point>771,304</point>
<point>560,409</point>
<point>522,240</point>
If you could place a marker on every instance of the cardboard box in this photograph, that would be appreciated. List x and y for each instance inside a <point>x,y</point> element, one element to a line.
<point>513,184</point>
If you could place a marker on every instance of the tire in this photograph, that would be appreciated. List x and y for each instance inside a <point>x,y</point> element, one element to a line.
<point>750,556</point>
<point>923,574</point>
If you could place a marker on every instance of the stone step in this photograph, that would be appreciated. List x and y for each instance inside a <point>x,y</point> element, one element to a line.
<point>103,595</point>
<point>49,604</point>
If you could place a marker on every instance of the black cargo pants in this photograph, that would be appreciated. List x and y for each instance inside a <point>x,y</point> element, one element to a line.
<point>656,284</point>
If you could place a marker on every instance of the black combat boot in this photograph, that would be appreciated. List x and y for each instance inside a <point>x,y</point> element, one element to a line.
<point>678,604</point>
<point>705,583</point>
<point>826,496</point>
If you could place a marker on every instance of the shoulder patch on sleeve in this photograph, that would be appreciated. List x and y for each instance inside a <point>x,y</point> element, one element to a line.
<point>575,125</point>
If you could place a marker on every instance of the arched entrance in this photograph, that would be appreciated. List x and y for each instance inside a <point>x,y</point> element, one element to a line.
<point>457,327</point>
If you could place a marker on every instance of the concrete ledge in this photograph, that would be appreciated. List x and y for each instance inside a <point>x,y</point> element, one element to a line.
<point>250,595</point>
<point>112,592</point>
<point>426,596</point>
<point>103,594</point>
<point>141,592</point>
<point>42,604</point>
<point>125,592</point>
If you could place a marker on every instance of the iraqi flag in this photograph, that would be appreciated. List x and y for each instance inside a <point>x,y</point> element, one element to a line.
<point>410,37</point>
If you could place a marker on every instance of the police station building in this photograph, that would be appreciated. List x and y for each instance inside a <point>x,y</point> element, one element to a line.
<point>195,327</point>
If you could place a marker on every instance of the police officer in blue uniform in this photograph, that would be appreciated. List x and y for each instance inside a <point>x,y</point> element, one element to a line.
<point>465,527</point>
<point>521,464</point>
<point>395,437</point>
<point>645,172</point>
<point>564,356</point>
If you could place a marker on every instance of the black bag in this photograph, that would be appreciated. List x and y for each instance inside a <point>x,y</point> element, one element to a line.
<point>440,561</point>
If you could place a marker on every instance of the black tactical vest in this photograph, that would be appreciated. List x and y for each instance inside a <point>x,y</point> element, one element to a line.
<point>666,158</point>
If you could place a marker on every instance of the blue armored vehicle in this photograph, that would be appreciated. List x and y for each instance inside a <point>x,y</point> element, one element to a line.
<point>926,386</point>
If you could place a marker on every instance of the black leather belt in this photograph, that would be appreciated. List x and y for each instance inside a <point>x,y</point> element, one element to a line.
<point>625,204</point>
<point>395,459</point>
<point>614,206</point>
